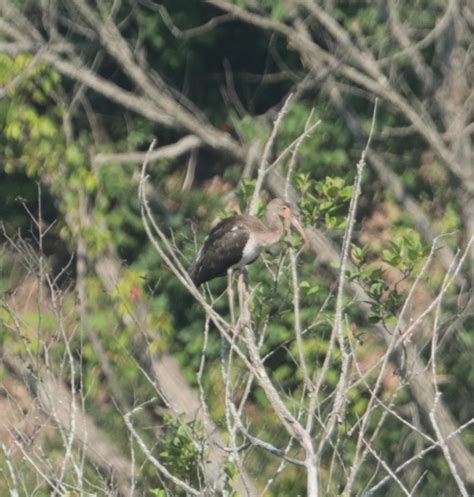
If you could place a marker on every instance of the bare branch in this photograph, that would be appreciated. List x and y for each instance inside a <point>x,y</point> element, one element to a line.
<point>264,163</point>
<point>181,147</point>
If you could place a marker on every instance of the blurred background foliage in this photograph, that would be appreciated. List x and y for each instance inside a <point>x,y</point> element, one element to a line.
<point>43,143</point>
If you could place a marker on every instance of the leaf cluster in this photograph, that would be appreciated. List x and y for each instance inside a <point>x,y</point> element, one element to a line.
<point>324,202</point>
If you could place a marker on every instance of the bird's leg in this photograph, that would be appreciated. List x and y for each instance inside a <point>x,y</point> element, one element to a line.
<point>230,296</point>
<point>242,285</point>
<point>244,320</point>
<point>245,274</point>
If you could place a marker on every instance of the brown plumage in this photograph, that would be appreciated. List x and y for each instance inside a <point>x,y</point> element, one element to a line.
<point>238,241</point>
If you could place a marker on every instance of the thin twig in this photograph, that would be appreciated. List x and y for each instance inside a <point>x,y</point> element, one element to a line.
<point>264,163</point>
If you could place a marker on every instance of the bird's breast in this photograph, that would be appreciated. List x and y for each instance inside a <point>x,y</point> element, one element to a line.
<point>249,254</point>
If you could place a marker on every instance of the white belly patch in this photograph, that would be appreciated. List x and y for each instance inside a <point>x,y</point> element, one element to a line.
<point>250,253</point>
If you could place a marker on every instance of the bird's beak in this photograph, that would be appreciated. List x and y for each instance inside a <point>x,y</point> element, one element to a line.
<point>294,221</point>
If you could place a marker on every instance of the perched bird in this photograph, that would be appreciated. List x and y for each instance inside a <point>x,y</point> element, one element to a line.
<point>239,240</point>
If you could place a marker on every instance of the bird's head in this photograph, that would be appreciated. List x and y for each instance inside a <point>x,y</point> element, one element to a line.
<point>284,210</point>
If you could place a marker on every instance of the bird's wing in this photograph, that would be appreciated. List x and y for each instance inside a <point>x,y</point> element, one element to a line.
<point>222,249</point>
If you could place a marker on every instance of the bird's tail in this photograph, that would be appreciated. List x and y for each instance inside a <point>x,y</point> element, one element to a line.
<point>193,272</point>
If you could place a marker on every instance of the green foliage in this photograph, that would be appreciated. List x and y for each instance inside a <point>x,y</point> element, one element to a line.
<point>35,149</point>
<point>30,134</point>
<point>182,449</point>
<point>278,9</point>
<point>158,492</point>
<point>252,130</point>
<point>324,201</point>
<point>247,187</point>
<point>322,153</point>
<point>407,254</point>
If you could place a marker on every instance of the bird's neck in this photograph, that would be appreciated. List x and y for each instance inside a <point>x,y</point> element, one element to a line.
<point>275,228</point>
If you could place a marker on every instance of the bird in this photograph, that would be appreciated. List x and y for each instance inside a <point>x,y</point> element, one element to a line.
<point>238,240</point>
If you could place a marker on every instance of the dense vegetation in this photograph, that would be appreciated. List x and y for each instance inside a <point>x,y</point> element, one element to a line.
<point>94,323</point>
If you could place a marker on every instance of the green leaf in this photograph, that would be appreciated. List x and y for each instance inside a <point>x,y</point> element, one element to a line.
<point>158,492</point>
<point>230,469</point>
<point>73,156</point>
<point>374,318</point>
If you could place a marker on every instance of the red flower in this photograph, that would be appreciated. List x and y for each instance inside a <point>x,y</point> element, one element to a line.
<point>135,293</point>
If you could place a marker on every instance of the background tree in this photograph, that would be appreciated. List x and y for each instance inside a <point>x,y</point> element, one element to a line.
<point>85,89</point>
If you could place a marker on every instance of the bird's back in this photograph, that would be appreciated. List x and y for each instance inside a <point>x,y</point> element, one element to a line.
<point>221,250</point>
